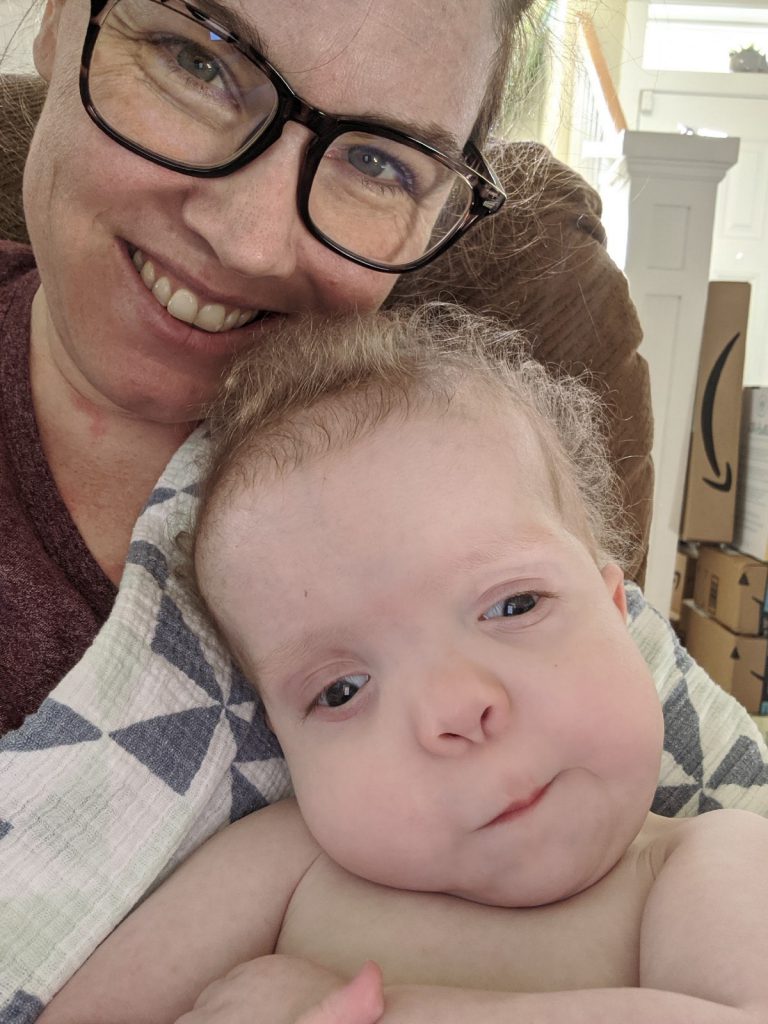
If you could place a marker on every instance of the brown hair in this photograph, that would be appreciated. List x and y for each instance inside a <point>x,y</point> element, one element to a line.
<point>511,20</point>
<point>318,385</point>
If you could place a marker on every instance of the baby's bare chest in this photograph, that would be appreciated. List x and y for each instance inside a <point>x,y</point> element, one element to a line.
<point>589,941</point>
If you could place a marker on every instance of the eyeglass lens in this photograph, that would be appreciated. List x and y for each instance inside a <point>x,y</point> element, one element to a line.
<point>167,83</point>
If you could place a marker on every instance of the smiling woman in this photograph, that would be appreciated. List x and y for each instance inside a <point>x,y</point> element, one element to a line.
<point>232,201</point>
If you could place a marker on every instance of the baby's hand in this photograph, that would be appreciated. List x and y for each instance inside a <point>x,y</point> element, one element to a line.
<point>359,1001</point>
<point>288,990</point>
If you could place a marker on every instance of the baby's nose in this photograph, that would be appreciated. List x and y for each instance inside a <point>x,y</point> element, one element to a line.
<point>460,707</point>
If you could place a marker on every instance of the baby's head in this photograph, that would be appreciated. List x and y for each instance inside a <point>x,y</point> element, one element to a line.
<point>407,540</point>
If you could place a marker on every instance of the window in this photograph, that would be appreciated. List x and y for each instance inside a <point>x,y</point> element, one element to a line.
<point>699,37</point>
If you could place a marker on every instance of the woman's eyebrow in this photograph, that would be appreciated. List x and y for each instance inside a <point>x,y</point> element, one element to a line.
<point>433,134</point>
<point>235,23</point>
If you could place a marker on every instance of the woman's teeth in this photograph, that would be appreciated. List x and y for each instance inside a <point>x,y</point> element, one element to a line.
<point>184,305</point>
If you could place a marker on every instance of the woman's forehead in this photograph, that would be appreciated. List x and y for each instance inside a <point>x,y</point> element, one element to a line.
<point>427,60</point>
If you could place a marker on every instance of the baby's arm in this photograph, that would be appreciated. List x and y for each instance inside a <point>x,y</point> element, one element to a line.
<point>225,905</point>
<point>702,947</point>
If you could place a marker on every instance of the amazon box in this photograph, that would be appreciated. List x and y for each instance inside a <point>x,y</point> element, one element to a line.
<point>731,587</point>
<point>682,585</point>
<point>751,533</point>
<point>736,662</point>
<point>710,493</point>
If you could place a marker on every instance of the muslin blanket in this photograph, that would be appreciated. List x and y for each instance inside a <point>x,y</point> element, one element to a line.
<point>154,740</point>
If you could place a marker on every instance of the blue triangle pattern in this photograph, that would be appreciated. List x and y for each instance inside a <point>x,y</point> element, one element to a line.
<point>255,740</point>
<point>141,552</point>
<point>172,747</point>
<point>159,495</point>
<point>52,725</point>
<point>670,800</point>
<point>682,723</point>
<point>246,798</point>
<point>240,690</point>
<point>21,1008</point>
<point>5,828</point>
<point>708,803</point>
<point>742,766</point>
<point>175,642</point>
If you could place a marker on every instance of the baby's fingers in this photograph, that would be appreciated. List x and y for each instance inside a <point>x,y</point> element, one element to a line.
<point>360,1001</point>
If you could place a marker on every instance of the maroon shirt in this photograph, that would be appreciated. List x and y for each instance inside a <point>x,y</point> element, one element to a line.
<point>53,595</point>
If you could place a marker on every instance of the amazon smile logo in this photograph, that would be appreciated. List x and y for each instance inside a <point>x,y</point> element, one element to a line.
<point>721,481</point>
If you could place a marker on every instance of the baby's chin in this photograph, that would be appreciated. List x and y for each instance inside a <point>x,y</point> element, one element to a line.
<point>545,883</point>
<point>519,896</point>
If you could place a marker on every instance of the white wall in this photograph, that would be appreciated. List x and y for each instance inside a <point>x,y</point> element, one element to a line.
<point>15,37</point>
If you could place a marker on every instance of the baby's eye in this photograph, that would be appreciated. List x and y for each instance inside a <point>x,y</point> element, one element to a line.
<point>515,604</point>
<point>341,691</point>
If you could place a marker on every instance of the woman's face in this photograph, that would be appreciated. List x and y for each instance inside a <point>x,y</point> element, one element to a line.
<point>236,241</point>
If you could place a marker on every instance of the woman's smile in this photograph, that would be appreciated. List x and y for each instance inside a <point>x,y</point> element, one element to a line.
<point>184,303</point>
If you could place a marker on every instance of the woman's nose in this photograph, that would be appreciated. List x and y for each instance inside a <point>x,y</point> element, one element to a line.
<point>460,706</point>
<point>250,218</point>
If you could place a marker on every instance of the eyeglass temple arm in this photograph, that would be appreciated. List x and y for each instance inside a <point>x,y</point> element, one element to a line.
<point>488,188</point>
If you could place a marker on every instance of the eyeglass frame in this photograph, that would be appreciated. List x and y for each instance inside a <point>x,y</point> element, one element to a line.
<point>488,195</point>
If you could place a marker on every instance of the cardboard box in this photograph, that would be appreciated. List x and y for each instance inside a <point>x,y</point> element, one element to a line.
<point>731,587</point>
<point>681,625</point>
<point>685,572</point>
<point>710,497</point>
<point>736,662</point>
<point>751,528</point>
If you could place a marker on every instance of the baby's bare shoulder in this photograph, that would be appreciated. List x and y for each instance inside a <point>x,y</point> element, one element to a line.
<point>725,828</point>
<point>278,828</point>
<point>712,826</point>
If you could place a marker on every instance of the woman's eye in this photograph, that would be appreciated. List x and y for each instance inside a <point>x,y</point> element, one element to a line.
<point>341,691</point>
<point>374,163</point>
<point>515,604</point>
<point>196,62</point>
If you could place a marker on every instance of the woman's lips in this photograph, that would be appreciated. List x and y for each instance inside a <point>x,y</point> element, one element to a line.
<point>519,807</point>
<point>184,304</point>
<point>160,328</point>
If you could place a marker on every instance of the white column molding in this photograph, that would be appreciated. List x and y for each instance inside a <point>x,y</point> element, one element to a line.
<point>660,207</point>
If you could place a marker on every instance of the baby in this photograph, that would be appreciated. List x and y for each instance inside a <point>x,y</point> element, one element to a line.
<point>408,542</point>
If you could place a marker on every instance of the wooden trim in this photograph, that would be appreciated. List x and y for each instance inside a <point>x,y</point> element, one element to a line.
<point>595,51</point>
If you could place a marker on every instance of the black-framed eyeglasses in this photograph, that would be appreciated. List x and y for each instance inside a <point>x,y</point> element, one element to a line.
<point>169,83</point>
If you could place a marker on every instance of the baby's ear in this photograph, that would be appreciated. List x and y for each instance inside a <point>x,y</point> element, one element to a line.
<point>613,577</point>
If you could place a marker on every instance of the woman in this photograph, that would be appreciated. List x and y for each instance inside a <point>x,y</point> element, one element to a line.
<point>117,380</point>
<point>144,223</point>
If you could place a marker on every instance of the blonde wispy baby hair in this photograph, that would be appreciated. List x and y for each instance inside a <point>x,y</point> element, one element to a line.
<point>316,385</point>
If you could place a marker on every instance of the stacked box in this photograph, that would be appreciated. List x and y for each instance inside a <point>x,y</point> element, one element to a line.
<point>751,525</point>
<point>726,623</point>
<point>736,662</point>
<point>682,586</point>
<point>731,587</point>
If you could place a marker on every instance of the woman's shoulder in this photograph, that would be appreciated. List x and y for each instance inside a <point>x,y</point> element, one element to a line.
<point>16,260</point>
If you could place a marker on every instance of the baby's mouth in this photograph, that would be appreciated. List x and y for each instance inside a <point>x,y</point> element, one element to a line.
<point>184,305</point>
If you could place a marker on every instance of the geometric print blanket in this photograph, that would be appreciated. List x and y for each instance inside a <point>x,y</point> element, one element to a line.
<point>154,741</point>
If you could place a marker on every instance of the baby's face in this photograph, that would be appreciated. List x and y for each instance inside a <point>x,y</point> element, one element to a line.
<point>446,668</point>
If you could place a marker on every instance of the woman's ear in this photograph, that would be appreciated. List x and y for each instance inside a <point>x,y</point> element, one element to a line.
<point>613,577</point>
<point>44,46</point>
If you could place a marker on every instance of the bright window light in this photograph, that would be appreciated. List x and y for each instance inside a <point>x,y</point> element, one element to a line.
<point>699,37</point>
